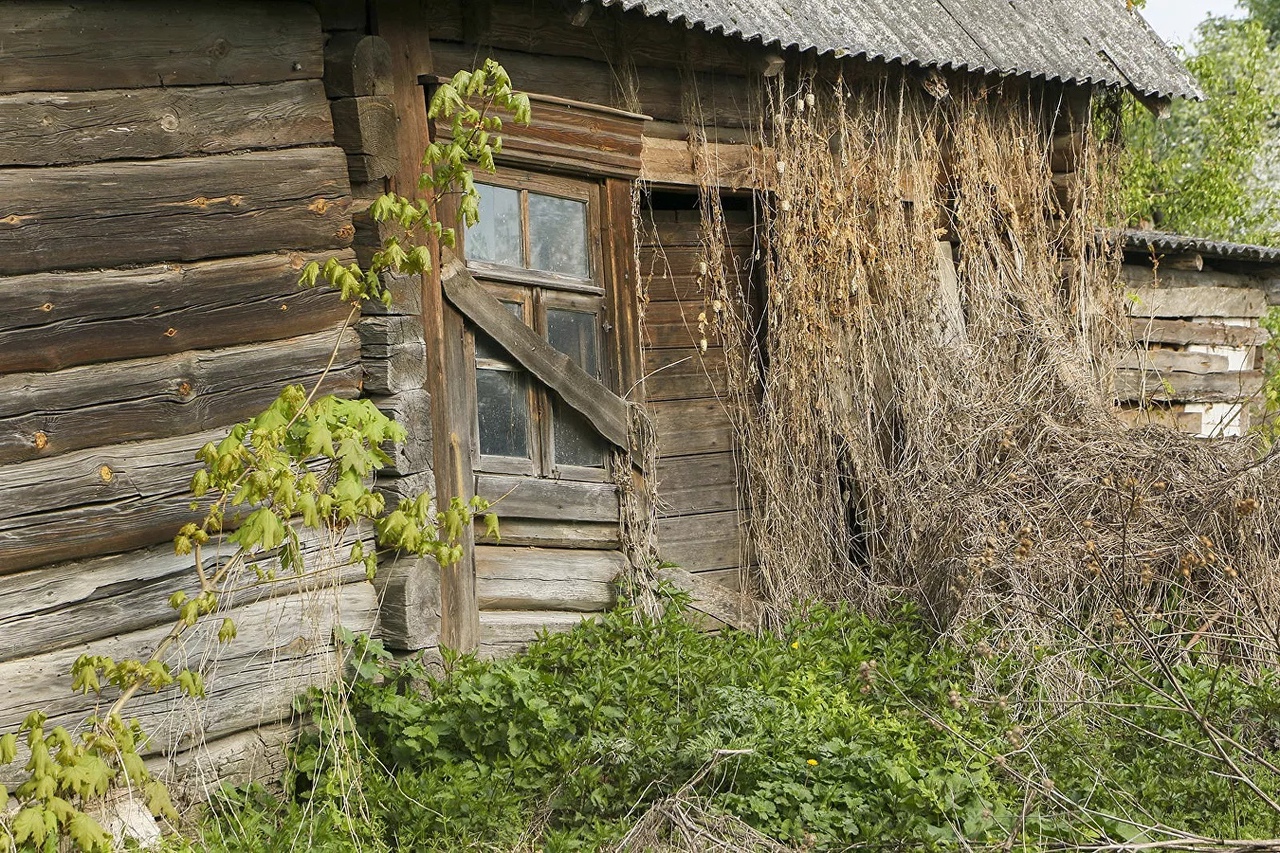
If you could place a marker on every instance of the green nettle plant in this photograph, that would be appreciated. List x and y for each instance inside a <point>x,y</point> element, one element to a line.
<point>303,463</point>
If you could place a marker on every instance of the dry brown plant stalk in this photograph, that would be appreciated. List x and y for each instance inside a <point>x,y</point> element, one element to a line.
<point>927,411</point>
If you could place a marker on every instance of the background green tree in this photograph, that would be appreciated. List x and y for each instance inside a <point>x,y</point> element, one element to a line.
<point>1208,169</point>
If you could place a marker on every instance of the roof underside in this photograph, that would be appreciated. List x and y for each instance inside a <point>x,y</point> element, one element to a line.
<point>1074,41</point>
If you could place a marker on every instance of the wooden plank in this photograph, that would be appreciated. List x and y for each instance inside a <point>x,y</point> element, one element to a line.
<point>673,325</point>
<point>692,377</point>
<point>108,214</point>
<point>673,162</point>
<point>710,598</point>
<point>521,627</point>
<point>57,606</point>
<point>367,127</point>
<point>552,500</point>
<point>56,128</point>
<point>689,427</point>
<point>47,414</point>
<point>56,320</point>
<point>697,543</point>
<point>1205,331</point>
<point>257,755</point>
<point>284,645</point>
<point>1162,361</point>
<point>412,410</point>
<point>98,501</point>
<point>606,411</point>
<point>356,64</point>
<point>697,484</point>
<point>1170,417</point>
<point>622,299</point>
<point>546,578</point>
<point>1196,302</point>
<point>554,533</point>
<point>1183,387</point>
<point>51,45</point>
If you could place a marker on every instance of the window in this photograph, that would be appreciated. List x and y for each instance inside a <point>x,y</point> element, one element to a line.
<point>536,249</point>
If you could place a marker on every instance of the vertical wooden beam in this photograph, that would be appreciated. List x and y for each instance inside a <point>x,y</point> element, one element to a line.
<point>404,26</point>
<point>623,296</point>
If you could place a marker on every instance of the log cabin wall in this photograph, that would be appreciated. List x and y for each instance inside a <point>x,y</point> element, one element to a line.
<point>1194,314</point>
<point>165,172</point>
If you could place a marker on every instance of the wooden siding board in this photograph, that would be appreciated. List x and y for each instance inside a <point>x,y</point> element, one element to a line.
<point>703,542</point>
<point>697,484</point>
<point>109,214</point>
<point>552,500</point>
<point>689,427</point>
<point>56,128</point>
<point>96,405</point>
<point>1164,303</point>
<point>1203,331</point>
<point>56,320</point>
<point>1184,387</point>
<point>53,45</point>
<point>546,578</point>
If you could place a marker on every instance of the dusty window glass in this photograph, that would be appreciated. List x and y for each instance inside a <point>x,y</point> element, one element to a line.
<point>486,347</point>
<point>497,237</point>
<point>558,235</point>
<point>502,408</point>
<point>574,334</point>
<point>576,440</point>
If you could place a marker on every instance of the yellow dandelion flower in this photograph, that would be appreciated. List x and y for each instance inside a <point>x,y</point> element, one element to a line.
<point>796,644</point>
<point>812,762</point>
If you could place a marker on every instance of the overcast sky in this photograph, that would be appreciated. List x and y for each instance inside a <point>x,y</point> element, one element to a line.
<point>1175,20</point>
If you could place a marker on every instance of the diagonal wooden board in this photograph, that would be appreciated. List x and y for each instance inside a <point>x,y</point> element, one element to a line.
<point>606,411</point>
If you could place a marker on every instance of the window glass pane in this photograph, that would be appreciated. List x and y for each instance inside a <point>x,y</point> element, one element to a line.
<point>558,235</point>
<point>496,237</point>
<point>574,334</point>
<point>486,347</point>
<point>577,442</point>
<point>502,407</point>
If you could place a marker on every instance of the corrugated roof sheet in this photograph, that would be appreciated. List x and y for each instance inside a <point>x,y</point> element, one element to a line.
<point>1076,41</point>
<point>1162,241</point>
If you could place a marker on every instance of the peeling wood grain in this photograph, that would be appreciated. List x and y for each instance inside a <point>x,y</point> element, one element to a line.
<point>546,578</point>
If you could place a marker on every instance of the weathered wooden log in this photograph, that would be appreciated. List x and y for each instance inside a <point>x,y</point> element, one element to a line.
<point>504,632</point>
<point>58,320</point>
<point>510,578</point>
<point>406,292</point>
<point>710,598</point>
<point>99,501</point>
<point>409,615</point>
<point>356,65</point>
<point>283,646</point>
<point>366,129</point>
<point>55,128</point>
<point>1206,332</point>
<point>55,46</point>
<point>1173,303</point>
<point>1178,386</point>
<point>53,607</point>
<point>412,410</point>
<point>686,375</point>
<point>107,214</point>
<point>257,755</point>
<point>1160,361</point>
<point>1139,276</point>
<point>559,500</point>
<point>46,414</point>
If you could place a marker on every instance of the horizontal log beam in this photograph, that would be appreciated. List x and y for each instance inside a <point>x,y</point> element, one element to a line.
<point>509,578</point>
<point>1177,386</point>
<point>56,320</point>
<point>111,214</point>
<point>552,500</point>
<point>1173,303</point>
<point>46,414</point>
<point>56,128</point>
<point>1206,332</point>
<point>51,45</point>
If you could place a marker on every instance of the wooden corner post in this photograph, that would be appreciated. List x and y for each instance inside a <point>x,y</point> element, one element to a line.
<point>404,25</point>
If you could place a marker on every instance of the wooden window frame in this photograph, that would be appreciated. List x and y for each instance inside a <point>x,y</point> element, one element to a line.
<point>537,291</point>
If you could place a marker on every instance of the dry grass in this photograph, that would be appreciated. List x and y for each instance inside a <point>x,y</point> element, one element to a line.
<point>945,431</point>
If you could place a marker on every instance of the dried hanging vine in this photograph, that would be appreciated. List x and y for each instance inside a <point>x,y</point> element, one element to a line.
<point>926,412</point>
